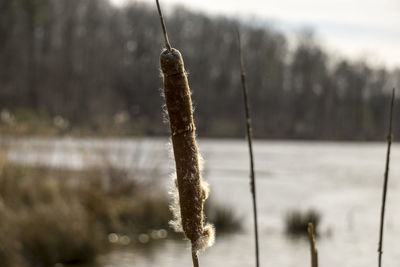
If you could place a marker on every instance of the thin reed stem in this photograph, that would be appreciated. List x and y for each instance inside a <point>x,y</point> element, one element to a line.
<point>250,144</point>
<point>167,44</point>
<point>385,183</point>
<point>195,259</point>
<point>313,247</point>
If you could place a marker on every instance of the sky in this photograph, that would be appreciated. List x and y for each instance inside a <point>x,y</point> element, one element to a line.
<point>357,29</point>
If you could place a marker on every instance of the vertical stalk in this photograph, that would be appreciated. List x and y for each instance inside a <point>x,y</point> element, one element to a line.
<point>385,183</point>
<point>250,144</point>
<point>313,248</point>
<point>167,44</point>
<point>195,259</point>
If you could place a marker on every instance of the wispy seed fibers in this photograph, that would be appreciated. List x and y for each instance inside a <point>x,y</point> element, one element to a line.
<point>192,191</point>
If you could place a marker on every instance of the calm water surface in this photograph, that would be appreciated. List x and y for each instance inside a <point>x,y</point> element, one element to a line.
<point>341,180</point>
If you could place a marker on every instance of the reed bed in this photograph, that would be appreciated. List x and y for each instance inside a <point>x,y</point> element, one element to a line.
<point>50,217</point>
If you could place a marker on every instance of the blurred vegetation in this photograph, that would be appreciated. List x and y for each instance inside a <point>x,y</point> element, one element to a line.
<point>59,216</point>
<point>224,219</point>
<point>86,67</point>
<point>53,220</point>
<point>296,222</point>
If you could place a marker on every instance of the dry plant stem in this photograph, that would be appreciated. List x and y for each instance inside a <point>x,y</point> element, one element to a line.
<point>195,259</point>
<point>313,248</point>
<point>249,139</point>
<point>167,44</point>
<point>385,183</point>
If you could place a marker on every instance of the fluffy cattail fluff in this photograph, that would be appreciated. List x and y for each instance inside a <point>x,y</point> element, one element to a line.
<point>189,217</point>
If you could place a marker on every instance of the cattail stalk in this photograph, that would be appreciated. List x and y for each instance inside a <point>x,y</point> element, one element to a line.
<point>192,191</point>
<point>313,248</point>
<point>385,182</point>
<point>249,140</point>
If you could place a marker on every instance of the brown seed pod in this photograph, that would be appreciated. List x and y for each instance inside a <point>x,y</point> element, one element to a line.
<point>192,192</point>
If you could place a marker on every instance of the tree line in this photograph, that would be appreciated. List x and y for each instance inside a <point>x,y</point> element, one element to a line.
<point>96,66</point>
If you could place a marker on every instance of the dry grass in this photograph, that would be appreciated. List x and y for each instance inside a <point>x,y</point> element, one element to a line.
<point>52,216</point>
<point>46,220</point>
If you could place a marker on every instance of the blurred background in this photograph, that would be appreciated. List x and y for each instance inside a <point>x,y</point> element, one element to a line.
<point>84,162</point>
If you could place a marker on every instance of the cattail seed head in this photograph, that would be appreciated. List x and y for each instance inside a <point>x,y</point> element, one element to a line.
<point>189,217</point>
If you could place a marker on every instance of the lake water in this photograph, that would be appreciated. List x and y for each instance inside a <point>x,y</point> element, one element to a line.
<point>341,180</point>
